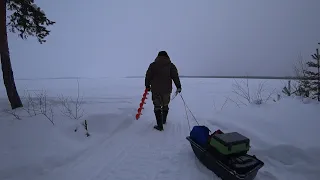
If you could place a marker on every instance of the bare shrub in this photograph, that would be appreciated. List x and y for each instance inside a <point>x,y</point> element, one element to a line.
<point>214,105</point>
<point>30,104</point>
<point>38,104</point>
<point>45,108</point>
<point>227,99</point>
<point>12,112</point>
<point>242,89</point>
<point>72,108</point>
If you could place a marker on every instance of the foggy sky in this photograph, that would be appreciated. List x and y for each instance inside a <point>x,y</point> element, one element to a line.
<point>205,37</point>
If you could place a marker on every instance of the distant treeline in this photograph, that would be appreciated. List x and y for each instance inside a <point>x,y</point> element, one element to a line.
<point>236,77</point>
<point>227,77</point>
<point>60,78</point>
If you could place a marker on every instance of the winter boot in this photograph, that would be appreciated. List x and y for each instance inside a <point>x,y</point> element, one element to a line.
<point>165,114</point>
<point>159,125</point>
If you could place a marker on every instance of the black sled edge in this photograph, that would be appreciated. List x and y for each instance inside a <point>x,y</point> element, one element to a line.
<point>219,168</point>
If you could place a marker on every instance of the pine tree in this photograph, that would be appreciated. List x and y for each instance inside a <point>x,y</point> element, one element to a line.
<point>29,20</point>
<point>302,85</point>
<point>313,74</point>
<point>304,88</point>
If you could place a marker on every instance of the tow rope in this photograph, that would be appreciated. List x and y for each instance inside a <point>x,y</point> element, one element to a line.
<point>186,107</point>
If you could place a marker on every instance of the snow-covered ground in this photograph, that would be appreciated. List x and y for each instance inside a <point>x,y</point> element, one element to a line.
<point>284,134</point>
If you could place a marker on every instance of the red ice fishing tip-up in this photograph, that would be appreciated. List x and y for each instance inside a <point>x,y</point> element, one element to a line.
<point>144,97</point>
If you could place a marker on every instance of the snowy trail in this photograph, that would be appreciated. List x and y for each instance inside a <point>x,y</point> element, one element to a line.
<point>134,148</point>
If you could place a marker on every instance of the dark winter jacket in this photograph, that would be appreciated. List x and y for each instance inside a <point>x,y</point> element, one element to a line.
<point>160,74</point>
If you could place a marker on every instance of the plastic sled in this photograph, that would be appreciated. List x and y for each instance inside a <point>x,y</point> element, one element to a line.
<point>243,167</point>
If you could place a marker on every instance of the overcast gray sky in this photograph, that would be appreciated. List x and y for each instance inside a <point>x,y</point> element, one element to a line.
<point>204,37</point>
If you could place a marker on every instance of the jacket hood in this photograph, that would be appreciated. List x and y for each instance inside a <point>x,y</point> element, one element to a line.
<point>163,60</point>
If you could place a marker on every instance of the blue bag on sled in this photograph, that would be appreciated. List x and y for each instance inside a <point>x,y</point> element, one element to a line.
<point>200,135</point>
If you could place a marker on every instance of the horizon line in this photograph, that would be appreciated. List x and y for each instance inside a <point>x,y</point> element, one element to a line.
<point>182,76</point>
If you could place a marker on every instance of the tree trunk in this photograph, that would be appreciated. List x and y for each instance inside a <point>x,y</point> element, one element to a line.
<point>318,61</point>
<point>7,72</point>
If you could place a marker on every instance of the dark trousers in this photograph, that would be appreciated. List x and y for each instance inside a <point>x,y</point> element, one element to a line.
<point>161,101</point>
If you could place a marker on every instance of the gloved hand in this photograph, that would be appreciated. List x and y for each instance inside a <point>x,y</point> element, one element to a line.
<point>178,90</point>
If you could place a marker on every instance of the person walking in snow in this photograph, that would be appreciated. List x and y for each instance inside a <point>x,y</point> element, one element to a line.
<point>158,80</point>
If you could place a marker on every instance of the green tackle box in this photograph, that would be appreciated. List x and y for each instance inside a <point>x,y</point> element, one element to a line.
<point>230,143</point>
